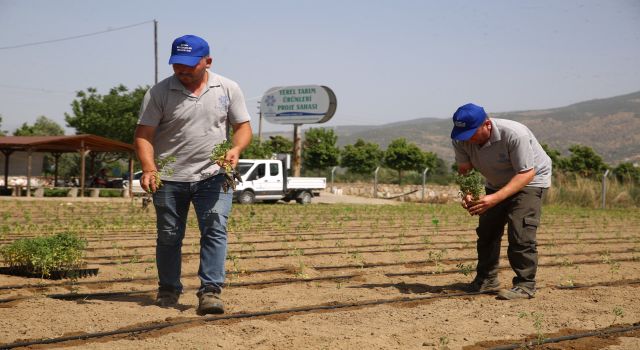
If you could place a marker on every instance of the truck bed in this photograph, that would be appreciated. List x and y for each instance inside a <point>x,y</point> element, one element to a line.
<point>311,183</point>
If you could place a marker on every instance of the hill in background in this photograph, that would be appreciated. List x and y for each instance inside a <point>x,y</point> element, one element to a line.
<point>610,126</point>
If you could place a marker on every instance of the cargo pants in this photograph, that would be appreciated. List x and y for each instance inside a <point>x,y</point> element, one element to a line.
<point>521,213</point>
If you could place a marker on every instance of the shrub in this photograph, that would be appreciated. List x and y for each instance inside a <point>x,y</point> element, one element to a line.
<point>56,192</point>
<point>42,255</point>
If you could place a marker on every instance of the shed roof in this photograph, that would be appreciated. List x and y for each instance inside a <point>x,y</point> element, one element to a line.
<point>71,143</point>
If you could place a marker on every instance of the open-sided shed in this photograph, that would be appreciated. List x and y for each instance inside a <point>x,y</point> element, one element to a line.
<point>61,144</point>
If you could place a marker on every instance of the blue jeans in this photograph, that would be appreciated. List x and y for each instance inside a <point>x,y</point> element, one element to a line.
<point>212,206</point>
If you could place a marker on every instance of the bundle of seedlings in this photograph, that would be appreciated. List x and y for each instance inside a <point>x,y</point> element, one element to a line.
<point>218,156</point>
<point>163,169</point>
<point>54,257</point>
<point>471,183</point>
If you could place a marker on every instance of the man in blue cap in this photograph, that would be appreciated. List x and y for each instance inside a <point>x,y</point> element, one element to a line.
<point>184,117</point>
<point>517,172</point>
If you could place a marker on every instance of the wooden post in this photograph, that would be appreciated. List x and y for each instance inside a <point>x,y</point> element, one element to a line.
<point>29,152</point>
<point>131,175</point>
<point>56,156</point>
<point>7,153</point>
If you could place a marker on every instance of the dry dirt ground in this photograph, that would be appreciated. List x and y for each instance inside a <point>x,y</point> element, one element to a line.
<point>412,267</point>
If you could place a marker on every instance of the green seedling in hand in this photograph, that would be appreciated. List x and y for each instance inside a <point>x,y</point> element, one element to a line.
<point>471,184</point>
<point>218,156</point>
<point>163,169</point>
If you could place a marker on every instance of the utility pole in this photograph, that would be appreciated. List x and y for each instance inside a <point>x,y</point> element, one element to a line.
<point>259,123</point>
<point>155,47</point>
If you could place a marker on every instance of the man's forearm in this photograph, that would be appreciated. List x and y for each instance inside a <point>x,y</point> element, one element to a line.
<point>144,147</point>
<point>242,136</point>
<point>518,182</point>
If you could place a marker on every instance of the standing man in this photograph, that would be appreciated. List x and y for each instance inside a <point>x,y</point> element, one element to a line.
<point>518,173</point>
<point>184,117</point>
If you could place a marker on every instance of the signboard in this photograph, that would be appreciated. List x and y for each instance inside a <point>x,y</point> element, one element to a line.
<point>304,104</point>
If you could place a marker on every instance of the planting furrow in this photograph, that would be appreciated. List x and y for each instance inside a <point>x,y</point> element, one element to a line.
<point>305,309</point>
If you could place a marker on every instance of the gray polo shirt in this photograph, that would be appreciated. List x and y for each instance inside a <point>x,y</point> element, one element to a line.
<point>512,148</point>
<point>188,127</point>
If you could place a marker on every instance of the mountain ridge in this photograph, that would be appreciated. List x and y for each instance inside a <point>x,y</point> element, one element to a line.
<point>610,126</point>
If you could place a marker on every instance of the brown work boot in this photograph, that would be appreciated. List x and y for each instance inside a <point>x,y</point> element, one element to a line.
<point>209,301</point>
<point>515,293</point>
<point>166,297</point>
<point>483,285</point>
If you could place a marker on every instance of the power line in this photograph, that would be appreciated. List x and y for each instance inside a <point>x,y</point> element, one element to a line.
<point>74,37</point>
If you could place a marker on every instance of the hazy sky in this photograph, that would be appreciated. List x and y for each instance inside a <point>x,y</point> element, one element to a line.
<point>386,61</point>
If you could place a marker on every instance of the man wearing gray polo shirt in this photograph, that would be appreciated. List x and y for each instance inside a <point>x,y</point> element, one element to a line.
<point>184,117</point>
<point>517,172</point>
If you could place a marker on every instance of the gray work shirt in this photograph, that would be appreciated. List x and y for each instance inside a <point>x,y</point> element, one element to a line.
<point>512,148</point>
<point>188,127</point>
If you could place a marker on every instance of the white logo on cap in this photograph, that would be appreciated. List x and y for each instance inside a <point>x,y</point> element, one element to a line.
<point>460,124</point>
<point>184,48</point>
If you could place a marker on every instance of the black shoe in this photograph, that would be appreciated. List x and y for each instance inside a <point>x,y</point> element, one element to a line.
<point>166,297</point>
<point>209,302</point>
<point>483,285</point>
<point>515,293</point>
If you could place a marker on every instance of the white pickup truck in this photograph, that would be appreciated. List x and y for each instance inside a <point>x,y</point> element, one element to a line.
<point>266,180</point>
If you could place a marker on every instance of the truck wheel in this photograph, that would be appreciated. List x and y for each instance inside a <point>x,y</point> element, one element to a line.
<point>246,197</point>
<point>304,198</point>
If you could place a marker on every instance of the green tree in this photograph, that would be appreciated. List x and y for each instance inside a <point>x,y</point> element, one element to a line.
<point>2,132</point>
<point>402,156</point>
<point>257,150</point>
<point>320,150</point>
<point>557,161</point>
<point>280,144</point>
<point>42,127</point>
<point>585,161</point>
<point>626,172</point>
<point>113,116</point>
<point>361,157</point>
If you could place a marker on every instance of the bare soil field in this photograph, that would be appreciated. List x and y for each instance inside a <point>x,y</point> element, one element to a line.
<point>330,275</point>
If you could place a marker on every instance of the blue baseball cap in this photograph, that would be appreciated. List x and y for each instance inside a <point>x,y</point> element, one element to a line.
<point>188,50</point>
<point>466,120</point>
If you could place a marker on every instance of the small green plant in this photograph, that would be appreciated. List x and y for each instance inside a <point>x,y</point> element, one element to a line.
<point>300,271</point>
<point>466,269</point>
<point>435,221</point>
<point>618,312</point>
<point>443,343</point>
<point>538,321</point>
<point>42,255</point>
<point>471,183</point>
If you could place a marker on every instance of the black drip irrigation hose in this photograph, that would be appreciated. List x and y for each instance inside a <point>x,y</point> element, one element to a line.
<point>149,258</point>
<point>304,309</point>
<point>597,333</point>
<point>581,262</point>
<point>162,325</point>
<point>338,231</point>
<point>329,267</point>
<point>550,243</point>
<point>87,296</point>
<point>431,245</point>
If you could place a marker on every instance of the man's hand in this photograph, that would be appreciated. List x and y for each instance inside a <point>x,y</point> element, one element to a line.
<point>467,201</point>
<point>148,181</point>
<point>481,205</point>
<point>233,156</point>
